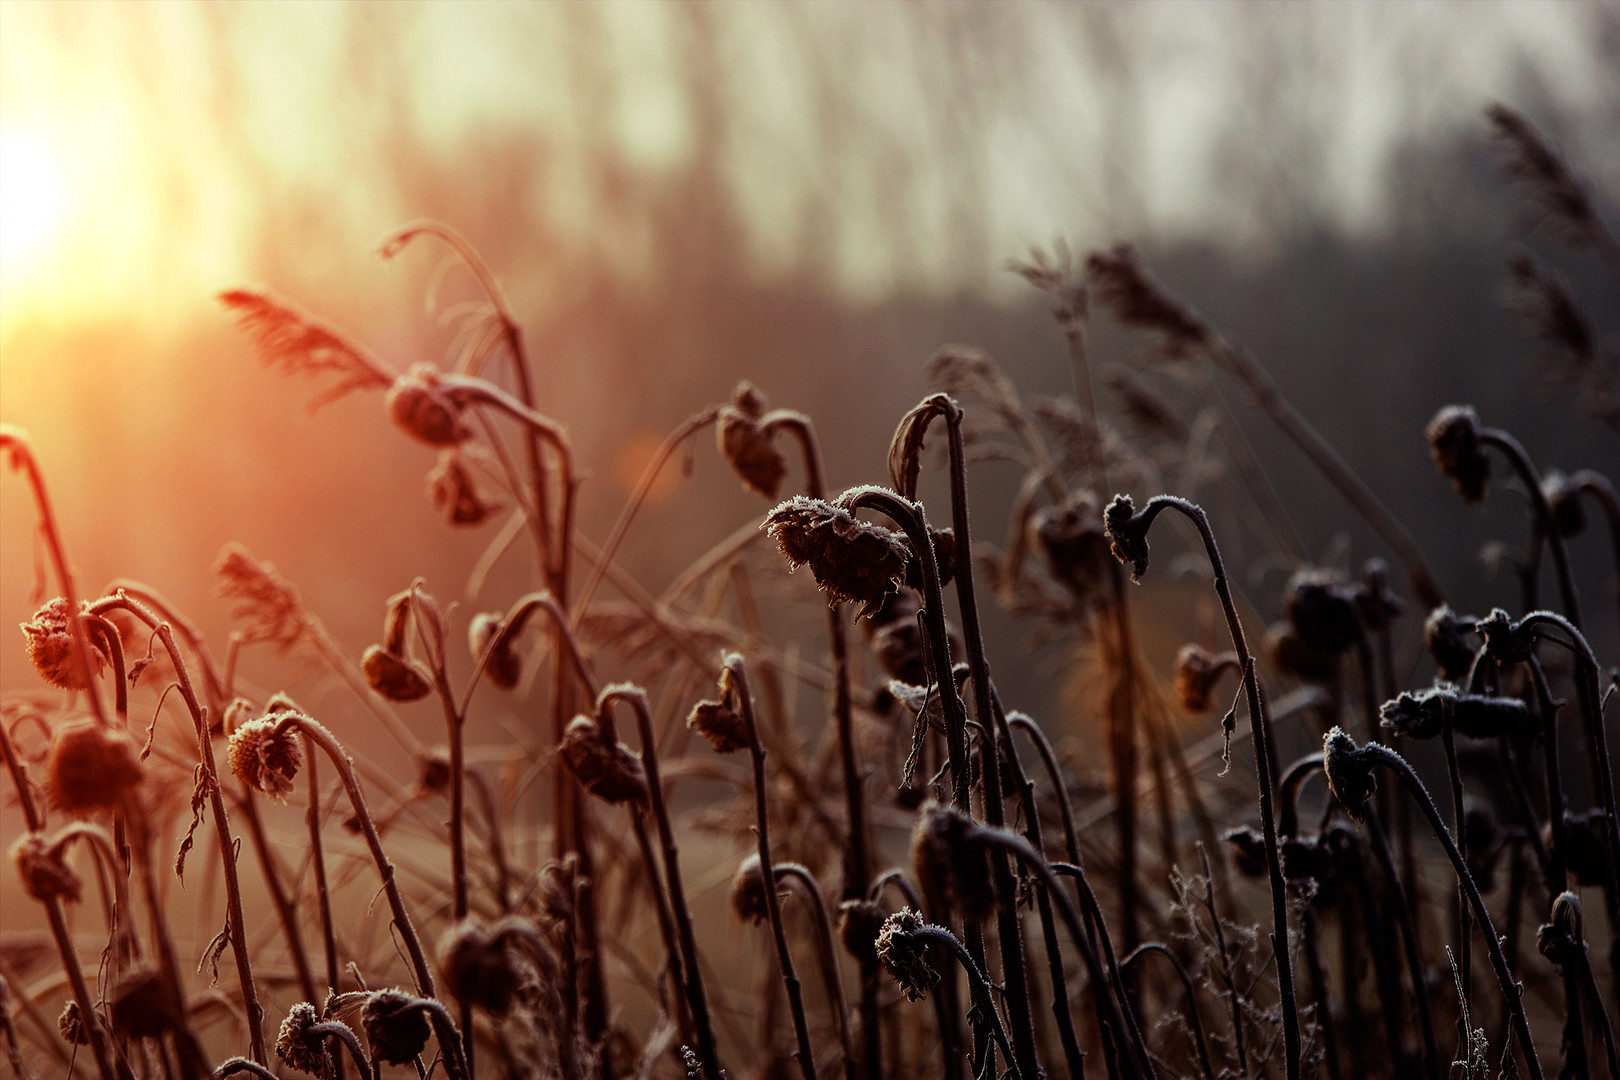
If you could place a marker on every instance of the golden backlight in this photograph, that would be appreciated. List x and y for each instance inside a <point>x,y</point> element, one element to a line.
<point>32,200</point>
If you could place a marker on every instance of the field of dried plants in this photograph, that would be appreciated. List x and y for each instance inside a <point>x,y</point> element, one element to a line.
<point>662,837</point>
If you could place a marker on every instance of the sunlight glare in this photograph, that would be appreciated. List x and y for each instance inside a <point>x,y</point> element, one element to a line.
<point>30,199</point>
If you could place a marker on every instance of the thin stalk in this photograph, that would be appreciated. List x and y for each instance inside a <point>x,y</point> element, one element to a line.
<point>323,897</point>
<point>981,987</point>
<point>739,676</point>
<point>666,927</point>
<point>1191,992</point>
<point>1595,486</point>
<point>236,923</point>
<point>343,1034</point>
<point>945,1012</point>
<point>1514,451</point>
<point>806,881</point>
<point>696,999</point>
<point>286,907</point>
<point>1260,730</point>
<point>1414,959</point>
<point>1504,977</point>
<point>315,732</point>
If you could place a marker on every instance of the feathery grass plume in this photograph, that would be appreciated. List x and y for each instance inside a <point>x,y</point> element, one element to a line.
<point>1570,360</point>
<point>859,923</point>
<point>479,968</point>
<point>396,1026</point>
<point>453,492</point>
<point>1134,297</point>
<point>264,599</point>
<point>852,561</point>
<point>1446,635</point>
<point>1453,436</point>
<point>1055,275</point>
<point>301,1048</point>
<point>905,956</point>
<point>296,342</point>
<point>607,770</point>
<point>505,664</point>
<point>949,864</point>
<point>1564,497</point>
<point>266,757</point>
<point>91,767</point>
<point>421,406</point>
<point>45,876</point>
<point>1149,413</point>
<point>51,648</point>
<point>744,443</point>
<point>1531,160</point>
<point>748,900</point>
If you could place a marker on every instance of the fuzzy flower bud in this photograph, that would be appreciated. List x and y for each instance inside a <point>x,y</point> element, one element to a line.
<point>950,863</point>
<point>396,1026</point>
<point>422,407</point>
<point>91,767</point>
<point>44,874</point>
<point>859,923</point>
<point>1447,637</point>
<point>505,665</point>
<point>852,561</point>
<point>52,650</point>
<point>299,1046</point>
<point>1127,536</point>
<point>1561,939</point>
<point>479,968</point>
<point>608,771</point>
<point>746,446</point>
<point>905,955</point>
<point>266,756</point>
<point>1349,773</point>
<point>393,676</point>
<point>1506,642</point>
<point>1453,437</point>
<point>749,901</point>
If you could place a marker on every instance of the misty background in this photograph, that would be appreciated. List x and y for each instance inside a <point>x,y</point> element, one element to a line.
<point>812,196</point>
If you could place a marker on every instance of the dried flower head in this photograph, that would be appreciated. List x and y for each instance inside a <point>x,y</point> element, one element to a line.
<point>396,1026</point>
<point>852,560</point>
<point>479,968</point>
<point>1586,846</point>
<point>52,650</point>
<point>1248,849</point>
<point>453,493</point>
<point>141,1007</point>
<point>433,770</point>
<point>1071,539</point>
<point>1562,938</point>
<point>1349,773</point>
<point>266,756</point>
<point>70,1024</point>
<point>1322,611</point>
<point>295,341</point>
<point>299,1046</point>
<point>1290,652</point>
<point>607,770</point>
<point>1504,640</point>
<point>745,445</point>
<point>859,923</point>
<point>1454,444</point>
<point>1564,496</point>
<point>420,404</point>
<point>1127,535</point>
<point>1447,636</point>
<point>904,954</point>
<point>749,901</point>
<point>264,599</point>
<point>949,862</point>
<point>505,664</point>
<point>720,724</point>
<point>393,676</point>
<point>1197,672</point>
<point>1375,600</point>
<point>1133,296</point>
<point>44,874</point>
<point>1422,715</point>
<point>91,767</point>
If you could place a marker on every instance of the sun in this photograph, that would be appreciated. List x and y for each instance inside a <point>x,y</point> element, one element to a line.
<point>31,198</point>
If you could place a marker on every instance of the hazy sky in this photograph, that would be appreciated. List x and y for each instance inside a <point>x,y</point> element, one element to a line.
<point>153,151</point>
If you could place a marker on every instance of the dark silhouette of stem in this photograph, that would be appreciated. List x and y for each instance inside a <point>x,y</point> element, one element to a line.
<point>981,987</point>
<point>1188,989</point>
<point>828,954</point>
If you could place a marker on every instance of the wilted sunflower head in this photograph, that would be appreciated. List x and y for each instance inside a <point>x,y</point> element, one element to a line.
<point>266,756</point>
<point>91,767</point>
<point>853,561</point>
<point>52,650</point>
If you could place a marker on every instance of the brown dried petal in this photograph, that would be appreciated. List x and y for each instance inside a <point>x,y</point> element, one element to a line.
<point>52,650</point>
<point>505,665</point>
<point>393,676</point>
<point>301,1048</point>
<point>91,767</point>
<point>396,1026</point>
<point>852,560</point>
<point>750,452</point>
<point>479,968</point>
<point>44,875</point>
<point>720,724</point>
<point>419,405</point>
<point>264,758</point>
<point>610,772</point>
<point>905,956</point>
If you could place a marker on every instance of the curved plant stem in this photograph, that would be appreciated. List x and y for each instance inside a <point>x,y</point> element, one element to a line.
<point>1514,451</point>
<point>1188,988</point>
<point>806,881</point>
<point>1595,486</point>
<point>315,732</point>
<point>945,1005</point>
<point>981,987</point>
<point>1260,730</point>
<point>343,1034</point>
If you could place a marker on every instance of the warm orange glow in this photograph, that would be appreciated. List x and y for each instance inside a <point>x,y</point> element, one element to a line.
<point>32,198</point>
